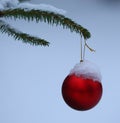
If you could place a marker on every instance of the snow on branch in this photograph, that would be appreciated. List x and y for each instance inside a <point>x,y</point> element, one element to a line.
<point>46,7</point>
<point>14,4</point>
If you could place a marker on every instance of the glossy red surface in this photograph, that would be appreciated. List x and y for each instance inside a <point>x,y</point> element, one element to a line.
<point>80,93</point>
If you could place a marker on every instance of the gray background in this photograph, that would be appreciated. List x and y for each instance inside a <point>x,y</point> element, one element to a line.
<point>31,76</point>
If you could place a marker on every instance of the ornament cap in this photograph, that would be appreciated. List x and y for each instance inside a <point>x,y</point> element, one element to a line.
<point>81,60</point>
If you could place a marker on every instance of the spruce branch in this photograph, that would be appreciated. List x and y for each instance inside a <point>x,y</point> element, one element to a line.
<point>46,16</point>
<point>17,35</point>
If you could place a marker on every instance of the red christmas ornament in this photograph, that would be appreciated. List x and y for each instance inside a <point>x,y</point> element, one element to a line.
<point>82,88</point>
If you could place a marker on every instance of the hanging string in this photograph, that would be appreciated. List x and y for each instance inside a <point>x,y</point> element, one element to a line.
<point>81,48</point>
<point>84,49</point>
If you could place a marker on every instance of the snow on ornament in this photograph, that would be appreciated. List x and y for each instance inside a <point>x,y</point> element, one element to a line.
<point>82,88</point>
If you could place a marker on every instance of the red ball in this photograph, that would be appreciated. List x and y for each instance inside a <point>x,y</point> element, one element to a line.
<point>81,93</point>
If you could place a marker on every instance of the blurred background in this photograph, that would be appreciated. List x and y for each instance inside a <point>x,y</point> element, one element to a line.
<point>31,76</point>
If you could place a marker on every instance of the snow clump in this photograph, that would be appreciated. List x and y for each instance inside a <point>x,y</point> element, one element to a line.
<point>88,70</point>
<point>8,4</point>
